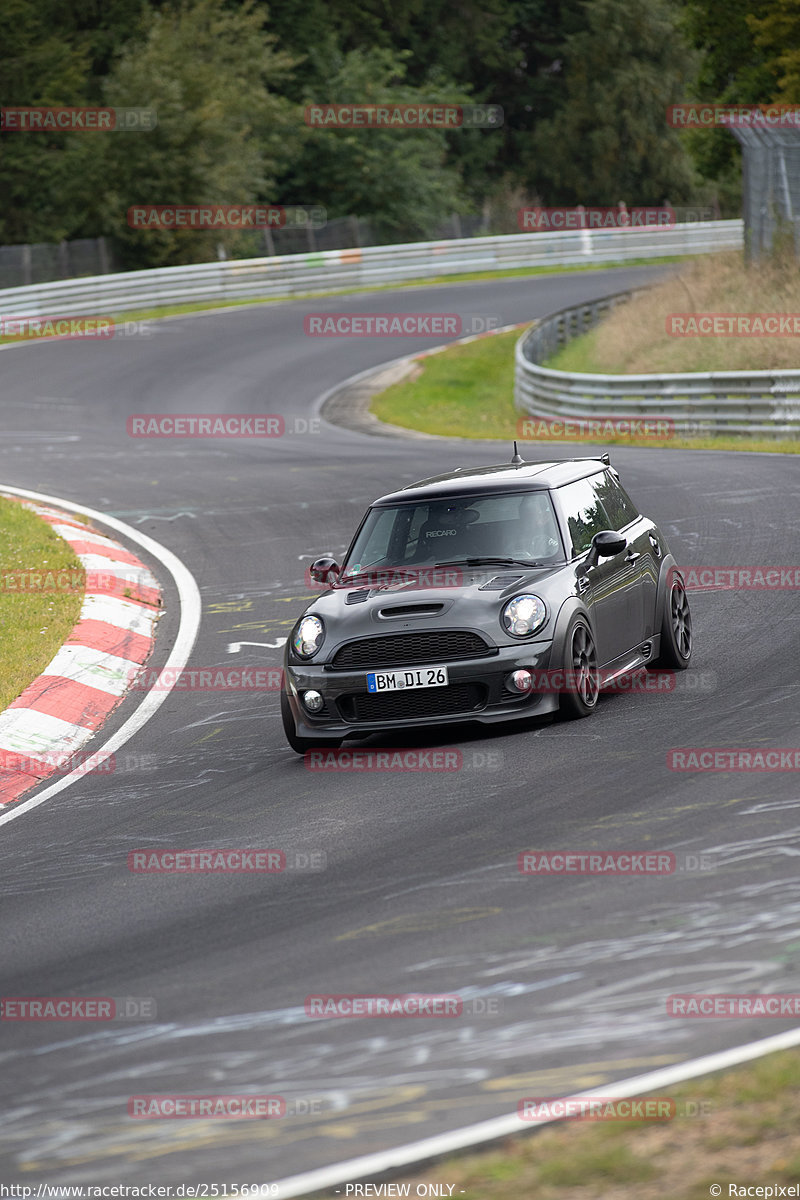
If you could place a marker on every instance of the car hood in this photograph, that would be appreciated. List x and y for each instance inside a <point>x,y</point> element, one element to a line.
<point>474,599</point>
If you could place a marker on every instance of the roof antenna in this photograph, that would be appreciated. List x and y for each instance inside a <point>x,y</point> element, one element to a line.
<point>517,456</point>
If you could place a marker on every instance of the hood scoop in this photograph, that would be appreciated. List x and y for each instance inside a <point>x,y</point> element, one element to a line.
<point>411,610</point>
<point>499,582</point>
<point>357,597</point>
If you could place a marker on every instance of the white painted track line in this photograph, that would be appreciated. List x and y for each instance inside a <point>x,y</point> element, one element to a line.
<point>502,1127</point>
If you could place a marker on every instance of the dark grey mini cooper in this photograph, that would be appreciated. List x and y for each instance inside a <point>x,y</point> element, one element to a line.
<point>487,594</point>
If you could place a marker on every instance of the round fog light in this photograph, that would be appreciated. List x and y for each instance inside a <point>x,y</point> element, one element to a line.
<point>313,701</point>
<point>521,681</point>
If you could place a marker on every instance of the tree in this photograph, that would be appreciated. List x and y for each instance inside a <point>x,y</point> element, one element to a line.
<point>40,68</point>
<point>496,52</point>
<point>730,69</point>
<point>776,31</point>
<point>213,75</point>
<point>610,139</point>
<point>396,177</point>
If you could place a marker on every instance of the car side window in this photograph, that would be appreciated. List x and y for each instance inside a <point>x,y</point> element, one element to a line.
<point>585,512</point>
<point>616,501</point>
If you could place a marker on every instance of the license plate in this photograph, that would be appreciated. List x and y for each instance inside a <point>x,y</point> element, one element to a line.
<point>397,681</point>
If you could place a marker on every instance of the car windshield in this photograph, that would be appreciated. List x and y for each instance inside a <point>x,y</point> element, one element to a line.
<point>519,526</point>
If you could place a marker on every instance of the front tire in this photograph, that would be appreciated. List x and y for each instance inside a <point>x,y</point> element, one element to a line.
<point>581,694</point>
<point>676,629</point>
<point>299,744</point>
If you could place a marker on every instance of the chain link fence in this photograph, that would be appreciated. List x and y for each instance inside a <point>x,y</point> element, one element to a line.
<point>21,266</point>
<point>345,233</point>
<point>26,265</point>
<point>44,261</point>
<point>770,189</point>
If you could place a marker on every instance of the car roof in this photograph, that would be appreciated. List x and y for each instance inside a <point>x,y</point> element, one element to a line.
<point>503,477</point>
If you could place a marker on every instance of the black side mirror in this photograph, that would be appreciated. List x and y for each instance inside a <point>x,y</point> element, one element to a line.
<point>605,544</point>
<point>325,570</point>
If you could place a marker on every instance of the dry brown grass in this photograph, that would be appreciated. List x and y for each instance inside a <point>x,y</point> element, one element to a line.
<point>634,340</point>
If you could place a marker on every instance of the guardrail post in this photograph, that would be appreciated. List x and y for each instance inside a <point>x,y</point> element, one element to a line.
<point>105,264</point>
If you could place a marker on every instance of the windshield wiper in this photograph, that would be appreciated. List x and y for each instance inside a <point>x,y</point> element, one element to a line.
<point>493,558</point>
<point>410,570</point>
<point>374,569</point>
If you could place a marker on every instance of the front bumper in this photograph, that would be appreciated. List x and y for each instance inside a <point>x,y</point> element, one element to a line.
<point>476,692</point>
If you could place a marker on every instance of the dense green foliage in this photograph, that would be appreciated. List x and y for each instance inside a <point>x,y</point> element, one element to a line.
<point>584,87</point>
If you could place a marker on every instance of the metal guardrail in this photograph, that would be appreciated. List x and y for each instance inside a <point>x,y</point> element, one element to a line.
<point>763,402</point>
<point>304,274</point>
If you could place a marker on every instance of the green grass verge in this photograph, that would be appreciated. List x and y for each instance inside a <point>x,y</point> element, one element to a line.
<point>33,623</point>
<point>468,391</point>
<point>177,310</point>
<point>739,1126</point>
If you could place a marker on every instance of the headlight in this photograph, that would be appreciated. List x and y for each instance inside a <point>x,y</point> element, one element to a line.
<point>524,615</point>
<point>307,637</point>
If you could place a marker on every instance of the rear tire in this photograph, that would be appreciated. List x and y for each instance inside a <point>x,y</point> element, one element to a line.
<point>299,744</point>
<point>676,629</point>
<point>582,690</point>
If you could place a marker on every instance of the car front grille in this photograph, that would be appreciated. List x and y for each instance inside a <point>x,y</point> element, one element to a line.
<point>408,649</point>
<point>452,700</point>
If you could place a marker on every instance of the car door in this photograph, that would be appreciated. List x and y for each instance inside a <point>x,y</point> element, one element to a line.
<point>643,547</point>
<point>612,589</point>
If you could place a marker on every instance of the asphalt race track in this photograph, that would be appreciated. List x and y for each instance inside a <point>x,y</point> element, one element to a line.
<point>420,891</point>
